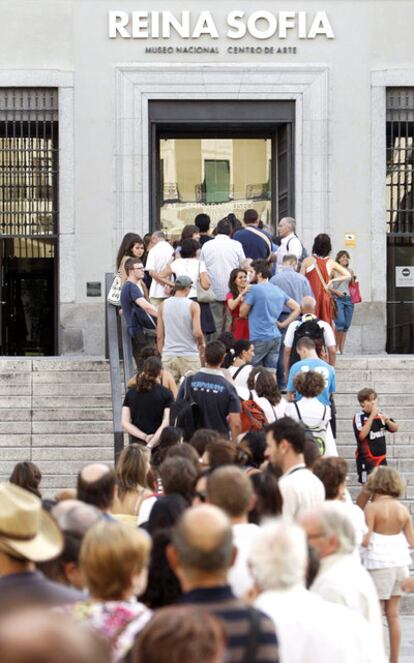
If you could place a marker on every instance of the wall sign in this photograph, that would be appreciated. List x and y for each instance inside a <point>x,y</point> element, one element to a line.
<point>350,240</point>
<point>260,24</point>
<point>404,277</point>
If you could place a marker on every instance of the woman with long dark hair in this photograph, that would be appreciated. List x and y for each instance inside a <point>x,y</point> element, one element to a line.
<point>238,286</point>
<point>318,269</point>
<point>146,409</point>
<point>132,246</point>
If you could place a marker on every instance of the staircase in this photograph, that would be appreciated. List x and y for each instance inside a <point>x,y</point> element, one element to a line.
<point>392,378</point>
<point>57,413</point>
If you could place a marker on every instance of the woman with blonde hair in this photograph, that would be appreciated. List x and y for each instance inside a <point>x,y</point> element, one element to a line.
<point>390,531</point>
<point>133,497</point>
<point>146,408</point>
<point>114,561</point>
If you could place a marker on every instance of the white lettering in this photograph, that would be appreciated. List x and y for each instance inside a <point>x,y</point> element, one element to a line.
<point>262,16</point>
<point>140,25</point>
<point>170,21</point>
<point>234,21</point>
<point>321,26</point>
<point>117,24</point>
<point>302,25</point>
<point>155,24</point>
<point>286,22</point>
<point>205,26</point>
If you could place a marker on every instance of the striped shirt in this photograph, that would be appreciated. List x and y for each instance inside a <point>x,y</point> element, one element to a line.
<point>237,619</point>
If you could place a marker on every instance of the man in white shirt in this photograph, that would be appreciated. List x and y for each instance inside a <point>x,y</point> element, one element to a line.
<point>230,488</point>
<point>290,242</point>
<point>341,578</point>
<point>309,629</point>
<point>158,258</point>
<point>220,257</point>
<point>300,488</point>
<point>308,307</point>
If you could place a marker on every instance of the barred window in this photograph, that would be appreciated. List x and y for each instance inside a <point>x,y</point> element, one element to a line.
<point>28,161</point>
<point>400,161</point>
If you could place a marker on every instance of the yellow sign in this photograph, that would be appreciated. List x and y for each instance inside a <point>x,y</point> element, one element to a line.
<point>350,240</point>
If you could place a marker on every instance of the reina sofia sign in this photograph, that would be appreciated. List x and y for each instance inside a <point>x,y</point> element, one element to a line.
<point>191,25</point>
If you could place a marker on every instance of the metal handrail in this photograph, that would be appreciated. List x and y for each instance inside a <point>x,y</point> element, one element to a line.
<point>119,346</point>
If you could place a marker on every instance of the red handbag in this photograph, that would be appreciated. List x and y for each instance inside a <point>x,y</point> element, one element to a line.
<point>354,293</point>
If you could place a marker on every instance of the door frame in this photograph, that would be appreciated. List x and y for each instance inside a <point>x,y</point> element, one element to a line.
<point>224,118</point>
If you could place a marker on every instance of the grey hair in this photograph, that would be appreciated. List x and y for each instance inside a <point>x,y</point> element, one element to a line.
<point>80,518</point>
<point>279,555</point>
<point>218,558</point>
<point>158,234</point>
<point>291,221</point>
<point>308,302</point>
<point>289,257</point>
<point>335,521</point>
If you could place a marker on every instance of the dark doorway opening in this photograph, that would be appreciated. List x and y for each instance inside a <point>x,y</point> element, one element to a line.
<point>29,205</point>
<point>27,309</point>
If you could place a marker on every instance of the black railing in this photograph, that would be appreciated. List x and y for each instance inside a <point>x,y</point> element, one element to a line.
<point>121,364</point>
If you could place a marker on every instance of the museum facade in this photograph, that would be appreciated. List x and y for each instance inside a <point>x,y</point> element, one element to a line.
<point>117,117</point>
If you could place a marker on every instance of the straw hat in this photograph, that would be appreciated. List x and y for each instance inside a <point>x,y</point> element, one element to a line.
<point>25,529</point>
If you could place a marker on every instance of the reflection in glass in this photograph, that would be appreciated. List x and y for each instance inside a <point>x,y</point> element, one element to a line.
<point>215,176</point>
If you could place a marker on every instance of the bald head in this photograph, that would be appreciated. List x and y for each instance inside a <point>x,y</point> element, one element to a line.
<point>308,304</point>
<point>96,485</point>
<point>203,539</point>
<point>94,472</point>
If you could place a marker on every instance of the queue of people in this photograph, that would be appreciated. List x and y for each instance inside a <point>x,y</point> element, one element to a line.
<point>213,539</point>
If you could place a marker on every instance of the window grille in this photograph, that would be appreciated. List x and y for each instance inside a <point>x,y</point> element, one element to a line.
<point>28,162</point>
<point>400,161</point>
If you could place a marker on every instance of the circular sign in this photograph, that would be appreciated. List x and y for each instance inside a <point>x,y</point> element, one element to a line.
<point>406,271</point>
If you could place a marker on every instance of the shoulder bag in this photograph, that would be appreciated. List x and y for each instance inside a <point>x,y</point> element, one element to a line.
<point>355,293</point>
<point>334,307</point>
<point>114,294</point>
<point>204,296</point>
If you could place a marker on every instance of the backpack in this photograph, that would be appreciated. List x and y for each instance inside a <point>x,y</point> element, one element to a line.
<point>252,416</point>
<point>302,256</point>
<point>318,431</point>
<point>311,329</point>
<point>186,413</point>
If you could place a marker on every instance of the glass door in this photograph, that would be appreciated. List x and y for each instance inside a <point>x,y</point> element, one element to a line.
<point>217,176</point>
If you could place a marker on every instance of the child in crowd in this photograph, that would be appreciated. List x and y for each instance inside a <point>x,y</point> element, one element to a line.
<point>386,555</point>
<point>370,426</point>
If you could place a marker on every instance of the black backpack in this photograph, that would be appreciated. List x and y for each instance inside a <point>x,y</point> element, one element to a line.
<point>186,414</point>
<point>311,329</point>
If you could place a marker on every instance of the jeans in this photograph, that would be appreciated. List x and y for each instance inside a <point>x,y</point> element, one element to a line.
<point>281,377</point>
<point>345,313</point>
<point>266,353</point>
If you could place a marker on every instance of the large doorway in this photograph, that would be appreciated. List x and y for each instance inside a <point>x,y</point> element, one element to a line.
<point>220,157</point>
<point>28,221</point>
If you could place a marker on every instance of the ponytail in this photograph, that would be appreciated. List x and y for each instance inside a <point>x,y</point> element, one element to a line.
<point>151,371</point>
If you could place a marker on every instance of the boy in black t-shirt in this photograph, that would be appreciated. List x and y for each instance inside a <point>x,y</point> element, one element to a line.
<point>370,426</point>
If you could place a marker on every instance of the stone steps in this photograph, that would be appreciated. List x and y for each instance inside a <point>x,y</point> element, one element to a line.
<point>57,413</point>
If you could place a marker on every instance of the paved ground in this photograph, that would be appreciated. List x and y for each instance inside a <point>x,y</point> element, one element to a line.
<point>407,645</point>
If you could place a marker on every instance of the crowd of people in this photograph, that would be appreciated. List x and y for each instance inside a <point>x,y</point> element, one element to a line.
<point>225,532</point>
